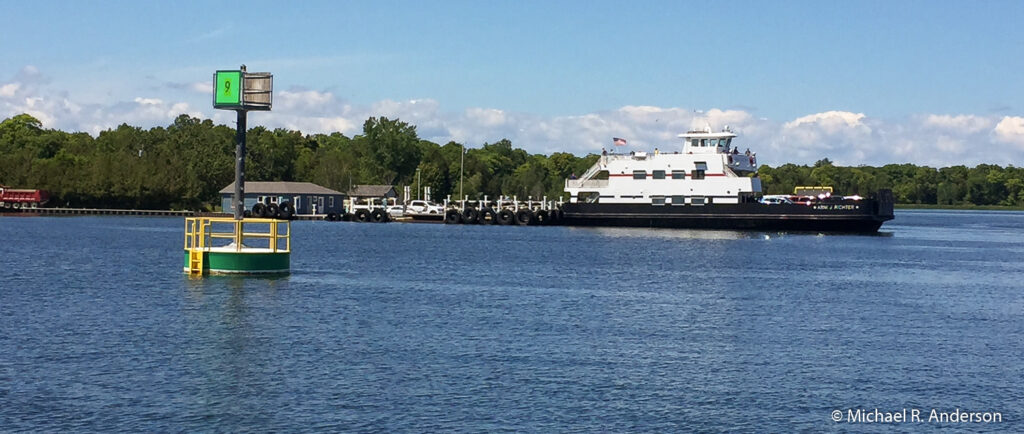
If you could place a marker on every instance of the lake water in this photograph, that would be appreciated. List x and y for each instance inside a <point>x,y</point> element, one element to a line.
<point>433,328</point>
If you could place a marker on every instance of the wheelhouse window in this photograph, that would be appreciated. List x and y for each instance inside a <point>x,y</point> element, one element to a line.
<point>678,200</point>
<point>659,174</point>
<point>657,200</point>
<point>678,174</point>
<point>639,174</point>
<point>695,142</point>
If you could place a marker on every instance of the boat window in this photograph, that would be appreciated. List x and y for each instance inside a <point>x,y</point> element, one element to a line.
<point>678,174</point>
<point>589,197</point>
<point>697,200</point>
<point>714,143</point>
<point>728,142</point>
<point>639,174</point>
<point>659,174</point>
<point>698,173</point>
<point>678,200</point>
<point>657,200</point>
<point>704,142</point>
<point>694,142</point>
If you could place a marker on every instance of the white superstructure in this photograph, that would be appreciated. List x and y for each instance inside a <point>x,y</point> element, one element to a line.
<point>709,169</point>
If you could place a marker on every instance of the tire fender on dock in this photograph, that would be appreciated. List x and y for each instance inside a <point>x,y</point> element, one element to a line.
<point>273,211</point>
<point>506,217</point>
<point>362,216</point>
<point>542,217</point>
<point>525,217</point>
<point>488,216</point>
<point>259,210</point>
<point>287,210</point>
<point>471,216</point>
<point>378,216</point>
<point>452,217</point>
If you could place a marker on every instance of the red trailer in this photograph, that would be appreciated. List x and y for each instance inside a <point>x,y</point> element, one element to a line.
<point>22,198</point>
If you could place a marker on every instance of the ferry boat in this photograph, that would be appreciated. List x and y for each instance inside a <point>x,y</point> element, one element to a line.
<point>707,185</point>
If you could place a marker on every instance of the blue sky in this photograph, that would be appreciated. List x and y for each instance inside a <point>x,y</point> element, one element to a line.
<point>858,82</point>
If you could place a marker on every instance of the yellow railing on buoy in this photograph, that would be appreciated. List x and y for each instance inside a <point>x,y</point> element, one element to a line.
<point>203,234</point>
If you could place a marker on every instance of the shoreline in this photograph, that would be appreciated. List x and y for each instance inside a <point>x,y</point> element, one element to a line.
<point>958,207</point>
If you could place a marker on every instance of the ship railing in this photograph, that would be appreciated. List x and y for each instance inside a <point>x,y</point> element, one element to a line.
<point>586,183</point>
<point>204,233</point>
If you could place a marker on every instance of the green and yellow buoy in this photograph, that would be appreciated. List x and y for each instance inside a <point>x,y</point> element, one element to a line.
<point>223,245</point>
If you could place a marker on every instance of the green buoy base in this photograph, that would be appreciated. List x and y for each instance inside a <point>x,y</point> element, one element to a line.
<point>245,261</point>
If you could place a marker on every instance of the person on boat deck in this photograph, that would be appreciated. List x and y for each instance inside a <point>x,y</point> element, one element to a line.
<point>604,152</point>
<point>573,176</point>
<point>735,151</point>
<point>656,152</point>
<point>747,153</point>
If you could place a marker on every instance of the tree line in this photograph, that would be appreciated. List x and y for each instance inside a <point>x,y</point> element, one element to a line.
<point>184,166</point>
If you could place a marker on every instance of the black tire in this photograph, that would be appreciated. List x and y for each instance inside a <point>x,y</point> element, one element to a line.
<point>287,210</point>
<point>471,216</point>
<point>273,211</point>
<point>347,217</point>
<point>488,216</point>
<point>378,216</point>
<point>553,217</point>
<point>246,214</point>
<point>452,217</point>
<point>542,217</point>
<point>506,217</point>
<point>362,216</point>
<point>259,210</point>
<point>331,217</point>
<point>525,217</point>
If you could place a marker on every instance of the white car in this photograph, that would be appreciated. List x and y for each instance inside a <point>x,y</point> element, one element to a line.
<point>396,210</point>
<point>424,207</point>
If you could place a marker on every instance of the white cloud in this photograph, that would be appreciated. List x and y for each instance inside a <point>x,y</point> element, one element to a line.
<point>1010,130</point>
<point>203,87</point>
<point>8,90</point>
<point>842,136</point>
<point>964,123</point>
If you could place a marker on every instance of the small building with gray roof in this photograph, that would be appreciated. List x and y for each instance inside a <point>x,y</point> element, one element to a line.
<point>306,197</point>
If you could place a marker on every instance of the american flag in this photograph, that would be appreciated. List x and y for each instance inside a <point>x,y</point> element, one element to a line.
<point>618,141</point>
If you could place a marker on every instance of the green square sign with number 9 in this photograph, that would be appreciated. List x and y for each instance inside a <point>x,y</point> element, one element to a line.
<point>227,88</point>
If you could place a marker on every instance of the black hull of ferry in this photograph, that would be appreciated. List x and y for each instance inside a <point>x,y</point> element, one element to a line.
<point>864,216</point>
